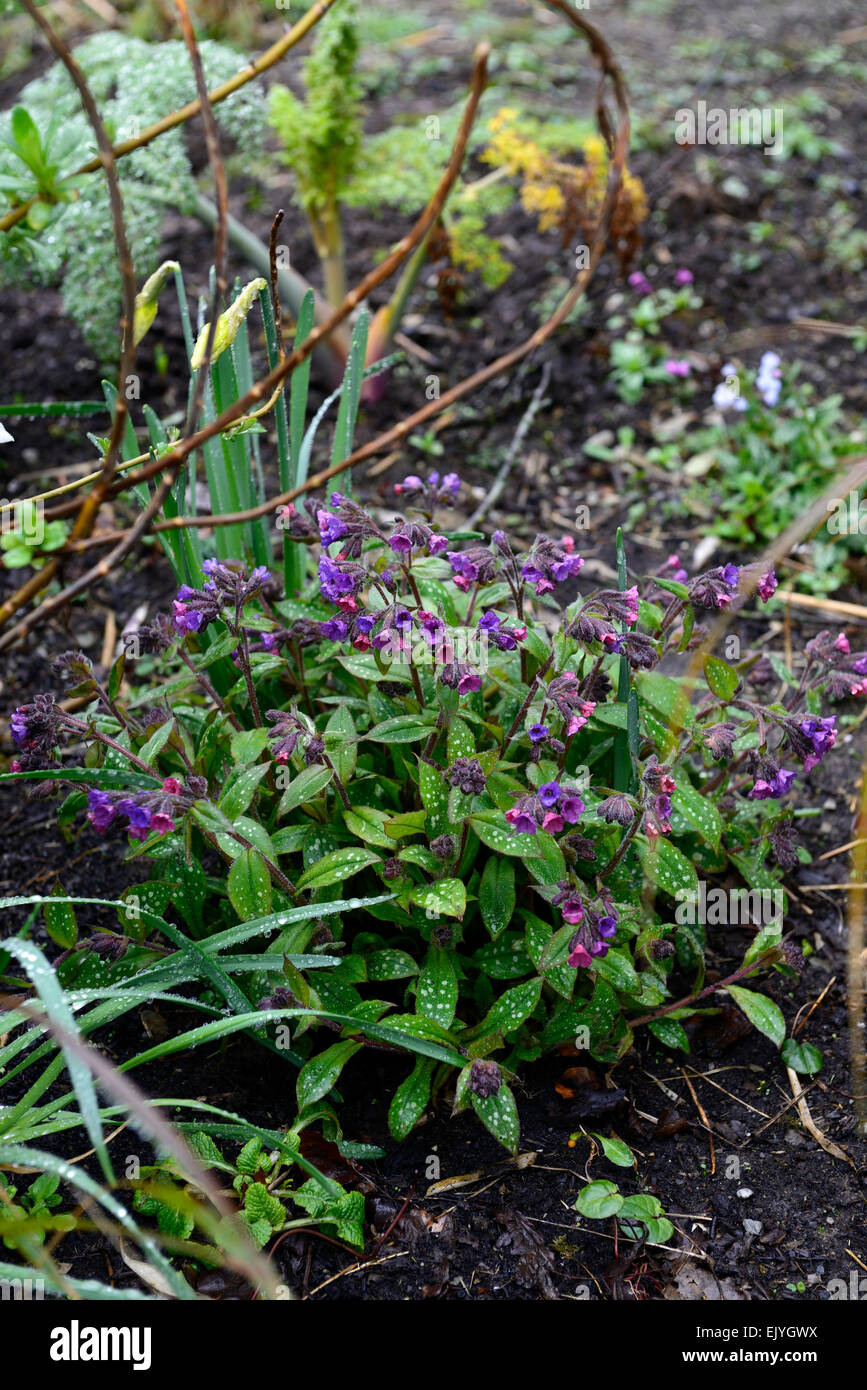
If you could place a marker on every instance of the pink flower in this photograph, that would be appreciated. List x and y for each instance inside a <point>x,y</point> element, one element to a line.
<point>683,276</point>
<point>842,644</point>
<point>580,958</point>
<point>573,911</point>
<point>677,367</point>
<point>161,824</point>
<point>766,586</point>
<point>172,785</point>
<point>552,822</point>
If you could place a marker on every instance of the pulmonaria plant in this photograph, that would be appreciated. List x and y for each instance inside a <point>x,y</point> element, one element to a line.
<point>485,813</point>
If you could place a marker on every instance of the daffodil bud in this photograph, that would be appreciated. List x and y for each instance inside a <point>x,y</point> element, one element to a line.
<point>228,324</point>
<point>146,299</point>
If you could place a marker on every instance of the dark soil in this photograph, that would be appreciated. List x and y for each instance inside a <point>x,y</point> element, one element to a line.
<point>510,1230</point>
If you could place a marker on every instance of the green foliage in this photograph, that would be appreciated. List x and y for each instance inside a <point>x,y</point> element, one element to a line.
<point>754,471</point>
<point>134,84</point>
<point>321,135</point>
<point>485,925</point>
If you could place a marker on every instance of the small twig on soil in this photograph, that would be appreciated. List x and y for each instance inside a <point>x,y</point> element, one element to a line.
<point>392,1224</point>
<point>829,854</point>
<point>358,1269</point>
<point>498,485</point>
<point>704,1119</point>
<point>796,1026</point>
<point>810,1124</point>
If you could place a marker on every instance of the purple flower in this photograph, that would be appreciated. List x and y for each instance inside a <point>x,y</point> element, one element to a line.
<point>452,483</point>
<point>730,575</point>
<point>677,366</point>
<point>683,276</point>
<point>365,624</point>
<point>779,784</point>
<point>571,808</point>
<point>437,544</point>
<point>520,821</point>
<point>331,528</point>
<point>469,682</point>
<point>489,622</point>
<point>822,734</point>
<point>766,586</point>
<point>538,732</point>
<point>186,619</point>
<point>549,794</point>
<point>640,282</point>
<point>606,927</point>
<point>101,811</point>
<point>336,498</point>
<point>335,629</point>
<point>139,817</point>
<point>768,381</point>
<point>18,726</point>
<point>332,580</point>
<point>260,575</point>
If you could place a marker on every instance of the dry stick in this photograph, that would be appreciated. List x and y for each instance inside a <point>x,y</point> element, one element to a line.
<point>221,240</point>
<point>703,1117</point>
<point>212,140</point>
<point>496,489</point>
<point>106,160</point>
<point>173,460</point>
<point>810,1124</point>
<point>192,108</point>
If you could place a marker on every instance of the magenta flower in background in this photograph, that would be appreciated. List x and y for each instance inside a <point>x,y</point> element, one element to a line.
<point>766,586</point>
<point>683,276</point>
<point>677,366</point>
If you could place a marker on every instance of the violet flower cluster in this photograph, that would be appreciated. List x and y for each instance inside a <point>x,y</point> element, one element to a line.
<point>146,813</point>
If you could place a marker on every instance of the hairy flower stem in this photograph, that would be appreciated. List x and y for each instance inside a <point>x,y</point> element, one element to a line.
<point>278,876</point>
<point>531,693</point>
<point>244,654</point>
<point>341,790</point>
<point>81,728</point>
<point>210,691</point>
<point>621,848</point>
<point>766,958</point>
<point>431,744</point>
